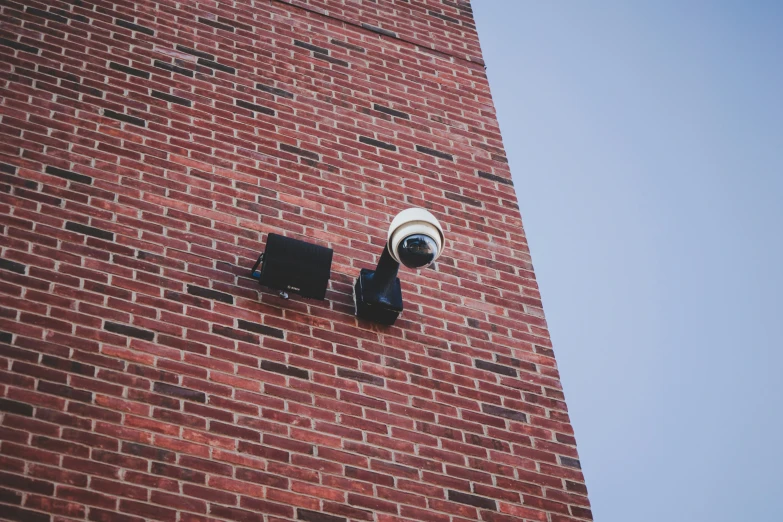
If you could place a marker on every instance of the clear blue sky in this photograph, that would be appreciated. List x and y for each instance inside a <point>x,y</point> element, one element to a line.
<point>646,144</point>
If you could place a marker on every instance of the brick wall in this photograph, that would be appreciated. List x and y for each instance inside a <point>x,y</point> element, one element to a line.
<point>147,149</point>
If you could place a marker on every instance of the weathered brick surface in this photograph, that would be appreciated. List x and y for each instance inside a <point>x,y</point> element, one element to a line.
<point>147,149</point>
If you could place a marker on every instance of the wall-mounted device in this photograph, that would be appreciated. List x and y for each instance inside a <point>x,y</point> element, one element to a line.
<point>293,266</point>
<point>416,240</point>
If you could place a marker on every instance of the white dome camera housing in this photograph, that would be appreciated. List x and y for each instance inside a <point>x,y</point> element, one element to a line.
<point>415,238</point>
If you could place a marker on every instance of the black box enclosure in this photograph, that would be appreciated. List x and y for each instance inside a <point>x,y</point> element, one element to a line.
<point>369,307</point>
<point>295,266</point>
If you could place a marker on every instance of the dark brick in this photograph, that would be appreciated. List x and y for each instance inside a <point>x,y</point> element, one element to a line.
<point>492,177</point>
<point>314,516</point>
<point>379,30</point>
<point>171,98</point>
<point>173,68</point>
<point>20,46</point>
<point>19,408</point>
<point>148,452</point>
<point>214,65</point>
<point>570,462</point>
<point>66,447</point>
<point>461,5</point>
<point>10,497</point>
<point>433,152</point>
<point>274,90</point>
<point>376,143</point>
<point>63,390</point>
<point>348,46</point>
<point>238,25</point>
<point>124,117</point>
<point>498,157</point>
<point>234,334</point>
<point>285,369</point>
<point>134,27</point>
<point>472,500</point>
<point>330,59</point>
<point>12,266</point>
<point>499,411</point>
<point>260,328</point>
<point>66,14</point>
<point>8,169</point>
<point>68,365</point>
<point>359,376</point>
<point>311,47</point>
<point>46,14</point>
<point>254,107</point>
<point>300,152</point>
<point>583,513</point>
<point>216,25</point>
<point>83,89</point>
<point>6,337</point>
<point>239,515</point>
<point>21,182</point>
<point>26,484</point>
<point>497,368</point>
<point>516,363</point>
<point>210,294</point>
<point>36,196</point>
<point>23,515</point>
<point>194,52</point>
<point>544,351</point>
<point>58,73</point>
<point>67,174</point>
<point>463,199</point>
<point>444,17</point>
<point>391,112</point>
<point>129,70</point>
<point>178,391</point>
<point>130,331</point>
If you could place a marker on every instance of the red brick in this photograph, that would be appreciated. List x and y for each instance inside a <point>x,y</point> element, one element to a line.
<point>58,475</point>
<point>59,507</point>
<point>119,489</point>
<point>178,502</point>
<point>148,511</point>
<point>243,488</point>
<point>90,498</point>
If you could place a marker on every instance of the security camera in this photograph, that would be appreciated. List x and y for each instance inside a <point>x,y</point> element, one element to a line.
<point>415,239</point>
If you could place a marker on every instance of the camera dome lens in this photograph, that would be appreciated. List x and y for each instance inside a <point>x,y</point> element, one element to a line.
<point>417,251</point>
